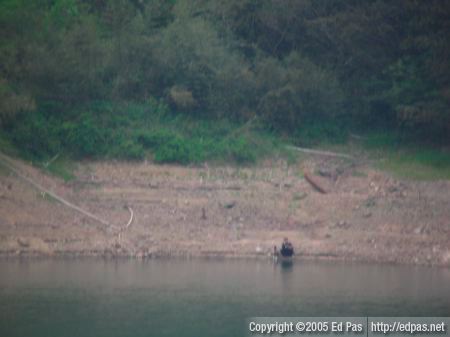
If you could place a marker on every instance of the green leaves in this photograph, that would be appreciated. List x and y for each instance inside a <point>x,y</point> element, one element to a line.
<point>294,64</point>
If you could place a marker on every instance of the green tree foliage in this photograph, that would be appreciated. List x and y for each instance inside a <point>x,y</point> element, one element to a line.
<point>292,63</point>
<point>296,91</point>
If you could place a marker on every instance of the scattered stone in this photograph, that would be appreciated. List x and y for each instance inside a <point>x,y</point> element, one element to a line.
<point>23,242</point>
<point>374,186</point>
<point>300,196</point>
<point>392,189</point>
<point>325,173</point>
<point>367,214</point>
<point>370,202</point>
<point>419,230</point>
<point>342,224</point>
<point>203,214</point>
<point>229,205</point>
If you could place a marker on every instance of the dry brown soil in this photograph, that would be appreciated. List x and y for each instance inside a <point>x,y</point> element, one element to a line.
<point>227,212</point>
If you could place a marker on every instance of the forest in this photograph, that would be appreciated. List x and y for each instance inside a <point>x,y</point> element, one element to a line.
<point>196,80</point>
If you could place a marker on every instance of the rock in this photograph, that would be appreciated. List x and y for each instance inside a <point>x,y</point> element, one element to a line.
<point>370,202</point>
<point>367,214</point>
<point>392,189</point>
<point>203,214</point>
<point>300,196</point>
<point>342,224</point>
<point>419,230</point>
<point>230,204</point>
<point>325,173</point>
<point>23,242</point>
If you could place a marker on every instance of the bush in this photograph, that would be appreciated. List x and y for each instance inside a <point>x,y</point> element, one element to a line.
<point>35,135</point>
<point>174,151</point>
<point>125,148</point>
<point>315,132</point>
<point>241,150</point>
<point>127,131</point>
<point>170,147</point>
<point>84,137</point>
<point>154,138</point>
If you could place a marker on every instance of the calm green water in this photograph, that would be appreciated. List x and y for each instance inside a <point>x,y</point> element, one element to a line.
<point>202,297</point>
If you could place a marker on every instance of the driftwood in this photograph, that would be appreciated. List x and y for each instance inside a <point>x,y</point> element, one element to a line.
<point>47,164</point>
<point>119,234</point>
<point>309,178</point>
<point>209,188</point>
<point>358,137</point>
<point>7,162</point>
<point>320,153</point>
<point>131,217</point>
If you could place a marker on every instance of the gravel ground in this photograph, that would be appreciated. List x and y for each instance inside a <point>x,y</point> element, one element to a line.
<point>366,214</point>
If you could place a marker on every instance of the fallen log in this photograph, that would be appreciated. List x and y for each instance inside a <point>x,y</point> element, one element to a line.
<point>320,153</point>
<point>314,183</point>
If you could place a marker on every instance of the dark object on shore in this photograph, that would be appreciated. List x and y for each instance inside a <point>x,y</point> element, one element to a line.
<point>203,214</point>
<point>309,178</point>
<point>230,205</point>
<point>286,261</point>
<point>286,253</point>
<point>287,250</point>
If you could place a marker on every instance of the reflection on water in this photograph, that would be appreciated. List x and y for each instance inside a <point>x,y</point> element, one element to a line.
<point>203,297</point>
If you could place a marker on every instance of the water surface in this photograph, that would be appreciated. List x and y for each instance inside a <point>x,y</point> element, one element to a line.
<point>95,297</point>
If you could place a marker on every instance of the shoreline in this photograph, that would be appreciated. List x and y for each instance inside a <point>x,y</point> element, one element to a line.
<point>219,256</point>
<point>226,212</point>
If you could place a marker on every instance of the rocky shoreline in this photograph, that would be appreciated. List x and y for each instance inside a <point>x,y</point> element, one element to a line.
<point>227,212</point>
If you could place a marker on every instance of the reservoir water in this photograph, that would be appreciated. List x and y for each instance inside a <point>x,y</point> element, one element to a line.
<point>129,298</point>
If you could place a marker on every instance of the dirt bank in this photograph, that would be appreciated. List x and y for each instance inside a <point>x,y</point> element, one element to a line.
<point>225,211</point>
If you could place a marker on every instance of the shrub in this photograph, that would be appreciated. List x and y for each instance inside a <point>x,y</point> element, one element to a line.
<point>173,151</point>
<point>315,132</point>
<point>241,150</point>
<point>35,135</point>
<point>127,149</point>
<point>84,137</point>
<point>154,138</point>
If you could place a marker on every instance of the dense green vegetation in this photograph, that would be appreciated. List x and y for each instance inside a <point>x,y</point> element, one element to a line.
<point>192,80</point>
